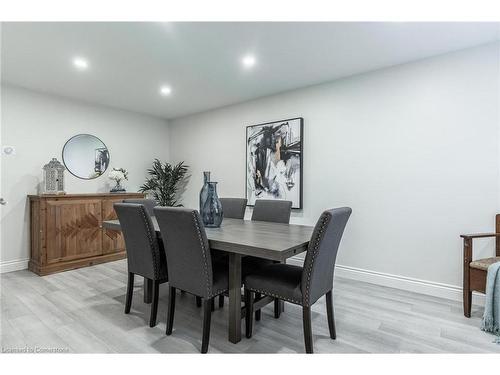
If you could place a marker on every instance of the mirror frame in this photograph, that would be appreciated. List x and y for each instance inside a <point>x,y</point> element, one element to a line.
<point>64,161</point>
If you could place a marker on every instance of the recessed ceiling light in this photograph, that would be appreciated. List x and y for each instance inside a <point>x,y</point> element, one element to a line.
<point>165,90</point>
<point>248,61</point>
<point>80,63</point>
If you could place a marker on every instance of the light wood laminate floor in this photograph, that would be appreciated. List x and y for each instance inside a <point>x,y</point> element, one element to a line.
<point>82,311</point>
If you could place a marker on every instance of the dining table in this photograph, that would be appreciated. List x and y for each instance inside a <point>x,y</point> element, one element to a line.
<point>238,239</point>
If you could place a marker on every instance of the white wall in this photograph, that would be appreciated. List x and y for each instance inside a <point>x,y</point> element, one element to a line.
<point>412,149</point>
<point>38,125</point>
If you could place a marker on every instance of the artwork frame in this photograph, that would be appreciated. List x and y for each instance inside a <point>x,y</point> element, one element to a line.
<point>296,124</point>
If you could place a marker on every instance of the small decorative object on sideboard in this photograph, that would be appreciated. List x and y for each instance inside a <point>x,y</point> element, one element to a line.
<point>118,175</point>
<point>53,177</point>
<point>210,205</point>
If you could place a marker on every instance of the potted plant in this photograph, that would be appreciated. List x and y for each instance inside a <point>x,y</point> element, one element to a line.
<point>164,181</point>
<point>118,175</point>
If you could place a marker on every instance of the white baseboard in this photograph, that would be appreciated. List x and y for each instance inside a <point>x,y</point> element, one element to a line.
<point>427,287</point>
<point>13,265</point>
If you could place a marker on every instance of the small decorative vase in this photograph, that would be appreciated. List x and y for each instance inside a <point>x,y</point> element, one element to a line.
<point>211,210</point>
<point>118,188</point>
<point>204,189</point>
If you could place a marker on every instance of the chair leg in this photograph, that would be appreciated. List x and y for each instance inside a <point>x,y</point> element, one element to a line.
<point>130,291</point>
<point>221,301</point>
<point>306,320</point>
<point>330,314</point>
<point>467,303</point>
<point>248,313</point>
<point>277,308</point>
<point>466,286</point>
<point>171,310</point>
<point>148,290</point>
<point>207,315</point>
<point>198,301</point>
<point>154,305</point>
<point>257,313</point>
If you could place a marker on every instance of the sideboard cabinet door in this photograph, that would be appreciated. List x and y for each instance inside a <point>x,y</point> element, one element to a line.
<point>73,229</point>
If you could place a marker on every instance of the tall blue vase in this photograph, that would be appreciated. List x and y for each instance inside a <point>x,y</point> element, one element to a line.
<point>204,190</point>
<point>211,209</point>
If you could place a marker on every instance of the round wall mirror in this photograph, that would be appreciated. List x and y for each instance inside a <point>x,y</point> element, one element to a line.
<point>85,156</point>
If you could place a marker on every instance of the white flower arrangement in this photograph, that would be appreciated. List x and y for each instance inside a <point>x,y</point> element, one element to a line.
<point>118,174</point>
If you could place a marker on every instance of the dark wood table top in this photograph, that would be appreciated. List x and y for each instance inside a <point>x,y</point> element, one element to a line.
<point>255,238</point>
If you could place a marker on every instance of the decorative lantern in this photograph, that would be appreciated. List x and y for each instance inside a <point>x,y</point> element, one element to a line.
<point>53,177</point>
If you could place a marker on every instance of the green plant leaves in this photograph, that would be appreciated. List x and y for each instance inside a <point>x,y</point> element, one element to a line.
<point>164,181</point>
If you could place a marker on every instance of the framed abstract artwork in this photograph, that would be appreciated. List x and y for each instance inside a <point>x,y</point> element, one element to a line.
<point>274,155</point>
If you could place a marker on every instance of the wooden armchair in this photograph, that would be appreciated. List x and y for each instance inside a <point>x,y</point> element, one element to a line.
<point>475,271</point>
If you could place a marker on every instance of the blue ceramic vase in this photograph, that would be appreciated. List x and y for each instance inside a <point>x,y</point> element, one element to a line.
<point>211,207</point>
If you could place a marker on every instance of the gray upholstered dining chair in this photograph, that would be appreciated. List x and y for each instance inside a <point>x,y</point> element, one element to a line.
<point>145,254</point>
<point>274,211</point>
<point>233,208</point>
<point>189,262</point>
<point>303,285</point>
<point>148,204</point>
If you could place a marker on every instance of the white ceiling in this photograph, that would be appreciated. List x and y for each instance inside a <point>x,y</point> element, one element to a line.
<point>202,61</point>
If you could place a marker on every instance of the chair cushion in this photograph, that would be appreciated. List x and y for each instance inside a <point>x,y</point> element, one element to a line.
<point>248,264</point>
<point>483,264</point>
<point>282,281</point>
<point>220,278</point>
<point>252,264</point>
<point>219,256</point>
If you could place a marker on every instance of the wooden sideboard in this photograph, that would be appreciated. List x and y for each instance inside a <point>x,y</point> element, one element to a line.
<point>67,232</point>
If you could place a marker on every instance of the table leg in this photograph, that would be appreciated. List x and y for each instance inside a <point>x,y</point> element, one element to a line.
<point>283,302</point>
<point>148,290</point>
<point>234,298</point>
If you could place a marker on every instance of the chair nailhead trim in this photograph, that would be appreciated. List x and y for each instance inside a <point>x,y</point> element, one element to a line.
<point>216,293</point>
<point>152,244</point>
<point>271,294</point>
<point>204,252</point>
<point>318,238</point>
